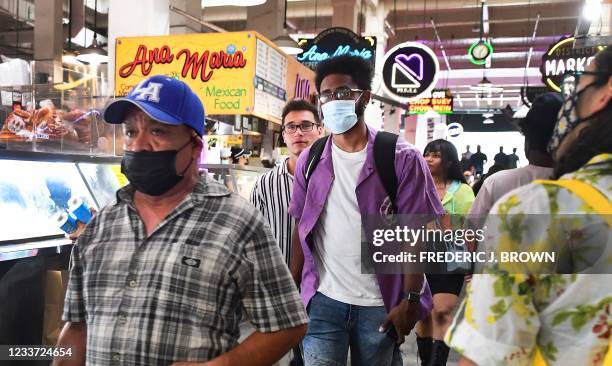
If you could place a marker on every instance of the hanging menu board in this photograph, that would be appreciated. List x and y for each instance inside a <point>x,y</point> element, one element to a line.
<point>270,80</point>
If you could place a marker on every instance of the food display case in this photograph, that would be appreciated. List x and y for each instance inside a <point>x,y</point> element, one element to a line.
<point>54,148</point>
<point>53,118</point>
<point>238,178</point>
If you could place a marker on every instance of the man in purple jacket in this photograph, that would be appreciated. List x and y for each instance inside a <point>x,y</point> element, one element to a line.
<point>370,313</point>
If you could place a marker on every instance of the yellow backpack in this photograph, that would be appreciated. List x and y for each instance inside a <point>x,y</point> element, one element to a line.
<point>602,206</point>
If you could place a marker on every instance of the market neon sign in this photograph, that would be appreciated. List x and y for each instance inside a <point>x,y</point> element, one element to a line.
<point>561,58</point>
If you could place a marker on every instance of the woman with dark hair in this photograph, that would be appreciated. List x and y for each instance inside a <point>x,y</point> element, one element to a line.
<point>457,198</point>
<point>556,313</point>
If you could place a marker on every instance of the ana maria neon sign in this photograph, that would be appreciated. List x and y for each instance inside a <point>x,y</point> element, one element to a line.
<point>311,55</point>
<point>333,42</point>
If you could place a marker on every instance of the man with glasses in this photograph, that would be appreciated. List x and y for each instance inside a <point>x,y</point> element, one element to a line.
<point>272,191</point>
<point>368,313</point>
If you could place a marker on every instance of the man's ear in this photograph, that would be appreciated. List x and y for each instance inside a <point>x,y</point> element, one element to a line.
<point>199,144</point>
<point>367,96</point>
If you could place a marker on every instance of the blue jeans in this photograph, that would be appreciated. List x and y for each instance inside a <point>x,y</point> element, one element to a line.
<point>335,326</point>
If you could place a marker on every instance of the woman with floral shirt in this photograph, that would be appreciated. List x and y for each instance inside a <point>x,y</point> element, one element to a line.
<point>516,311</point>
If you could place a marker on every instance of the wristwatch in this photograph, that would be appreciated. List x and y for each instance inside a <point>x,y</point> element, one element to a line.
<point>413,297</point>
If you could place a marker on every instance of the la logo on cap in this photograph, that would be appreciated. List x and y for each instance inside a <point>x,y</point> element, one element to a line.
<point>149,93</point>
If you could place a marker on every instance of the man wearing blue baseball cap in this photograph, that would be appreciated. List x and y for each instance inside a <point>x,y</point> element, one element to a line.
<point>163,275</point>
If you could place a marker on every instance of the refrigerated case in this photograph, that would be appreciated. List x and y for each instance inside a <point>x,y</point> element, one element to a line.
<point>34,188</point>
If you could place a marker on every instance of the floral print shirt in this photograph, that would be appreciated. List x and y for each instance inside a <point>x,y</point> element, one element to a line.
<point>508,314</point>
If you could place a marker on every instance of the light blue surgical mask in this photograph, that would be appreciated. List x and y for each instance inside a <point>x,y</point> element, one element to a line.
<point>339,115</point>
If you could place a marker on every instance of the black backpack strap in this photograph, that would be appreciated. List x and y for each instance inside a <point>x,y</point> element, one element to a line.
<point>314,155</point>
<point>384,158</point>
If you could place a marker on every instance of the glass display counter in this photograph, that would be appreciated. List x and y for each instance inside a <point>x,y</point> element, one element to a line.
<point>57,119</point>
<point>238,178</point>
<point>36,187</point>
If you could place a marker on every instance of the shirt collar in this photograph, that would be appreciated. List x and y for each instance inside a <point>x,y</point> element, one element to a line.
<point>370,148</point>
<point>601,158</point>
<point>283,169</point>
<point>205,187</point>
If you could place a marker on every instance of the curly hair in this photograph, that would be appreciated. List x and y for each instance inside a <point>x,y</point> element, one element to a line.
<point>360,70</point>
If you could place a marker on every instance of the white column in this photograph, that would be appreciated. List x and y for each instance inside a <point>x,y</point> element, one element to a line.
<point>48,40</point>
<point>131,19</point>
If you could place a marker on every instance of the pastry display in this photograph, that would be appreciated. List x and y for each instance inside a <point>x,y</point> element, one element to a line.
<point>41,124</point>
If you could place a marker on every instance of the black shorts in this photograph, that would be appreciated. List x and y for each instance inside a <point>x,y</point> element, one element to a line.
<point>445,283</point>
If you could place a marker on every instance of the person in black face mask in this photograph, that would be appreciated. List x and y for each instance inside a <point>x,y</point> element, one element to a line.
<point>177,256</point>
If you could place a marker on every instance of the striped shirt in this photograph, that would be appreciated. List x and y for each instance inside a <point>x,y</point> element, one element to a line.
<point>180,293</point>
<point>271,195</point>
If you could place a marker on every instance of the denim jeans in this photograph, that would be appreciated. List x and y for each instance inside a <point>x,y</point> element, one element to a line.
<point>335,326</point>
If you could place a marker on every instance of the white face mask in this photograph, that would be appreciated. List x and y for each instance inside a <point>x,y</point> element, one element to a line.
<point>339,115</point>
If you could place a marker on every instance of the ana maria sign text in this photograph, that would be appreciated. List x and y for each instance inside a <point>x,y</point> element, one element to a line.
<point>334,42</point>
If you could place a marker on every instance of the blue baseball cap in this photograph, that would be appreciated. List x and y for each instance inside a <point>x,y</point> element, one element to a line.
<point>162,98</point>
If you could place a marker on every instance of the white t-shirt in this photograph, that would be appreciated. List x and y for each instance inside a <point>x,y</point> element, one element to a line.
<point>337,237</point>
<point>502,182</point>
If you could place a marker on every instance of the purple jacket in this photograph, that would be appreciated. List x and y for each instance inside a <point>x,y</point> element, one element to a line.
<point>416,195</point>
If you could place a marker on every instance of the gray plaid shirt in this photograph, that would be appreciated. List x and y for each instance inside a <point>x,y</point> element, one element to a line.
<point>179,294</point>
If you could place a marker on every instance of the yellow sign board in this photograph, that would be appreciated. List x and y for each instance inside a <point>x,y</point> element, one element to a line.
<point>219,67</point>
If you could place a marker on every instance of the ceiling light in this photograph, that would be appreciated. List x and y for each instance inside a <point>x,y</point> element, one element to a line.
<point>94,54</point>
<point>487,121</point>
<point>487,115</point>
<point>591,9</point>
<point>287,44</point>
<point>211,3</point>
<point>486,86</point>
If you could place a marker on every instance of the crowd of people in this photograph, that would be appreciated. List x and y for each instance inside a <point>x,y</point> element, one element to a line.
<point>166,273</point>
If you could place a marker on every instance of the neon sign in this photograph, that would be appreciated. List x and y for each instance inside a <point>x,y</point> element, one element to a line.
<point>410,70</point>
<point>562,57</point>
<point>312,54</point>
<point>441,102</point>
<point>335,42</point>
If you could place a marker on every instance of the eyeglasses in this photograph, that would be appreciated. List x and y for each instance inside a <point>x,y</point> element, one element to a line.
<point>342,93</point>
<point>571,79</point>
<point>305,126</point>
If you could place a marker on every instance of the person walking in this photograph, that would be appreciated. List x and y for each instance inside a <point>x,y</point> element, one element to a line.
<point>165,274</point>
<point>338,184</point>
<point>456,197</point>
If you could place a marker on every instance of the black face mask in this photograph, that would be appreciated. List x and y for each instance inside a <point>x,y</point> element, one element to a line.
<point>152,172</point>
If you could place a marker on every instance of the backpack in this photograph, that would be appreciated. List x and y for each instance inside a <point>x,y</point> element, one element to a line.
<point>384,159</point>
